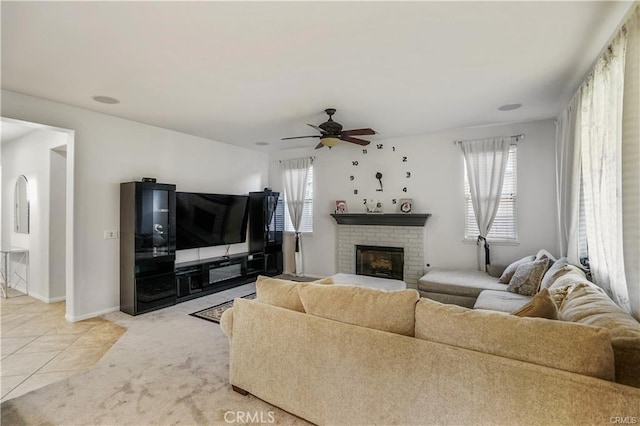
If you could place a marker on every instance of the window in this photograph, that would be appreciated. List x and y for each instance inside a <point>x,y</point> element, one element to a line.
<point>505,225</point>
<point>307,213</point>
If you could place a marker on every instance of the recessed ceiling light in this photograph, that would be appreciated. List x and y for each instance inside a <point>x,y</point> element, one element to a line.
<point>262,143</point>
<point>106,100</point>
<point>509,107</point>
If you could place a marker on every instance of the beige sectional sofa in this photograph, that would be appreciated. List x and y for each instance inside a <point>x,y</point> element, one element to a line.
<point>585,303</point>
<point>353,355</point>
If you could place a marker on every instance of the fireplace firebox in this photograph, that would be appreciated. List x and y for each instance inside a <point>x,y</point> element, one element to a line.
<point>381,262</point>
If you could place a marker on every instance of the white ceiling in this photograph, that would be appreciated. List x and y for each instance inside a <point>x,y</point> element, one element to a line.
<point>244,72</point>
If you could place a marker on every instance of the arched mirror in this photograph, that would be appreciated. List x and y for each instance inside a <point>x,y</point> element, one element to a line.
<point>22,205</point>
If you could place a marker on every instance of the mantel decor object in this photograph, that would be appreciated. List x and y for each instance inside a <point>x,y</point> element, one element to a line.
<point>373,206</point>
<point>405,205</point>
<point>341,207</point>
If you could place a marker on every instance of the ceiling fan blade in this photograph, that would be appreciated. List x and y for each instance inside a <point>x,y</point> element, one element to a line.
<point>358,132</point>
<point>355,140</point>
<point>317,128</point>
<point>301,137</point>
<point>320,145</point>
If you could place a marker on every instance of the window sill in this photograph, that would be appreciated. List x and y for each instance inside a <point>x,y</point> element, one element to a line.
<point>302,233</point>
<point>495,242</point>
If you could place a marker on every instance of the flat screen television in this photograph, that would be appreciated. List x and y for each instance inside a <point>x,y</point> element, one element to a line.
<point>204,220</point>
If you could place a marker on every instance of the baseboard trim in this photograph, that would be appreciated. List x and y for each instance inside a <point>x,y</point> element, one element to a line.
<point>46,299</point>
<point>83,317</point>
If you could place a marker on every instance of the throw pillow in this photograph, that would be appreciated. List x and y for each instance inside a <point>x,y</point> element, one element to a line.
<point>282,293</point>
<point>541,305</point>
<point>391,311</point>
<point>542,253</point>
<point>555,271</point>
<point>511,269</point>
<point>527,278</point>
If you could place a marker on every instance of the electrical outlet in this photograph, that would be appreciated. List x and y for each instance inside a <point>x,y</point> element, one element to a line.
<point>110,234</point>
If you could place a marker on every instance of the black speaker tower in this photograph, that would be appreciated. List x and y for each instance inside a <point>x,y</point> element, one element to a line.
<point>266,228</point>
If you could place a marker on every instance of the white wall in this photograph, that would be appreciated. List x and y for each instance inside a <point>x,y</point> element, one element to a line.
<point>29,156</point>
<point>57,223</point>
<point>110,150</point>
<point>436,187</point>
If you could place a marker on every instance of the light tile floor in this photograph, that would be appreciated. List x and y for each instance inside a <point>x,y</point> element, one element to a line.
<point>39,347</point>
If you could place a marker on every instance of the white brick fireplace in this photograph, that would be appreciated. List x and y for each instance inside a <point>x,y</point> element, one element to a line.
<point>410,238</point>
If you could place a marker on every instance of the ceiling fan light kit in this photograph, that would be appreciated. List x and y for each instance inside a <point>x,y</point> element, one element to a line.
<point>330,141</point>
<point>332,133</point>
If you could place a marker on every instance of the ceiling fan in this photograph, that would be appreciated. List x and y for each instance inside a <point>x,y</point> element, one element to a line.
<point>332,133</point>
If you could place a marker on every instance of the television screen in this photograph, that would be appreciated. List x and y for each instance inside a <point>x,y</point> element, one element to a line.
<point>204,220</point>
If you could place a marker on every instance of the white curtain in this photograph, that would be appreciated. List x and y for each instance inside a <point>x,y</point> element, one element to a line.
<point>568,179</point>
<point>601,157</point>
<point>486,162</point>
<point>631,162</point>
<point>295,173</point>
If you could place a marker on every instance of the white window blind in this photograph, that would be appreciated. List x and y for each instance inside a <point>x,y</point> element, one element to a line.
<point>307,213</point>
<point>505,225</point>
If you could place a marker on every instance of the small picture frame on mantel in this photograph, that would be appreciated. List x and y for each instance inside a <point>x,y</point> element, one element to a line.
<point>405,205</point>
<point>341,207</point>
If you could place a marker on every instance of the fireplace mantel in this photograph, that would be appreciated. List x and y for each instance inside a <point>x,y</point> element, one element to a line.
<point>382,219</point>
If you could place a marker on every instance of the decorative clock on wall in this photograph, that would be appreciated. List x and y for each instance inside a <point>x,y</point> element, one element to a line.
<point>380,172</point>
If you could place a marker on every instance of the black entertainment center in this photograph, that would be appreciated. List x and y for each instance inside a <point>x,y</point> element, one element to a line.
<point>155,221</point>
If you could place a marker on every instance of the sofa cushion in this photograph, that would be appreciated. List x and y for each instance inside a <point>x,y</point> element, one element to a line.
<point>392,311</point>
<point>541,305</point>
<point>282,293</point>
<point>458,282</point>
<point>527,278</point>
<point>555,271</point>
<point>511,269</point>
<point>559,294</point>
<point>502,301</point>
<point>566,346</point>
<point>588,304</point>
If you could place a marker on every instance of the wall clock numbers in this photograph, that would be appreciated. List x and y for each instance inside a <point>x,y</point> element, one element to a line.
<point>377,158</point>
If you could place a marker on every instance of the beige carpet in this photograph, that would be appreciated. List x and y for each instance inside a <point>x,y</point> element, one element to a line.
<point>168,368</point>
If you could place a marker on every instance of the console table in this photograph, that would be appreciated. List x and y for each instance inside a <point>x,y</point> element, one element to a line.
<point>8,274</point>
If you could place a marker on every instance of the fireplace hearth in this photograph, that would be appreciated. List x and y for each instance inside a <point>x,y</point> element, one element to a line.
<point>379,261</point>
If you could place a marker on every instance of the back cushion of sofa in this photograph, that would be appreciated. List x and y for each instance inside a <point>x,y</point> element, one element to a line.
<point>282,293</point>
<point>566,346</point>
<point>571,275</point>
<point>392,311</point>
<point>587,304</point>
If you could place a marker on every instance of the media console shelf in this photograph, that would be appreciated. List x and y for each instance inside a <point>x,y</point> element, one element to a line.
<point>199,277</point>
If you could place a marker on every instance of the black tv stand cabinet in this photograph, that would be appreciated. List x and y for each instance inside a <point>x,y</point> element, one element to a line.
<point>205,276</point>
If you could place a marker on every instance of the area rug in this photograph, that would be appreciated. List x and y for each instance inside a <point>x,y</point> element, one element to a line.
<point>215,312</point>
